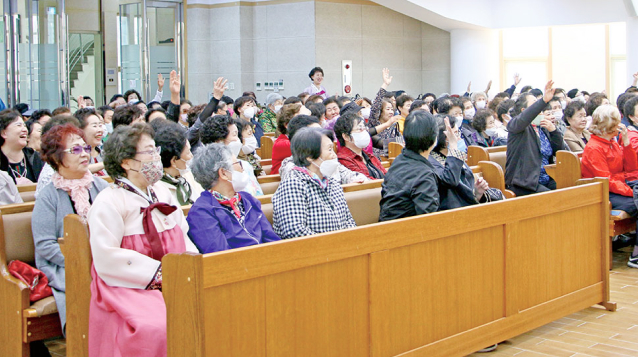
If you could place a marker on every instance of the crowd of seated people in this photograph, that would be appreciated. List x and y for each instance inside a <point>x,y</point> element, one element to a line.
<point>165,155</point>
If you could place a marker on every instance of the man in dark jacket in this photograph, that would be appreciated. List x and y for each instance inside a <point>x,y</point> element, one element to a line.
<point>531,146</point>
<point>410,186</point>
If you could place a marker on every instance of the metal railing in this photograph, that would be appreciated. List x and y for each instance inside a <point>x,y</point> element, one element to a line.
<point>79,45</point>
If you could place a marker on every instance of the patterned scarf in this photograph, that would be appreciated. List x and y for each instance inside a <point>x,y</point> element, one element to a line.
<point>182,188</point>
<point>77,189</point>
<point>233,202</point>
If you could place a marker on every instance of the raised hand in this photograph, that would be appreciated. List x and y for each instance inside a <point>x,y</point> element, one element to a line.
<point>387,78</point>
<point>81,102</point>
<point>452,140</point>
<point>622,130</point>
<point>174,82</point>
<point>489,85</point>
<point>635,79</point>
<point>160,82</point>
<point>549,91</point>
<point>517,79</point>
<point>469,87</point>
<point>219,87</point>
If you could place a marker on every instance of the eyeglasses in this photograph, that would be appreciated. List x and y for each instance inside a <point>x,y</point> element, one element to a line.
<point>77,150</point>
<point>152,152</point>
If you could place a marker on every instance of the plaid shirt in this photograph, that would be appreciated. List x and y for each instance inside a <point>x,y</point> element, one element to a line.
<point>302,208</point>
<point>356,163</point>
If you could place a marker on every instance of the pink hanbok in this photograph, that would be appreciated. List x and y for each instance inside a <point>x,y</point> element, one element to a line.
<point>127,312</point>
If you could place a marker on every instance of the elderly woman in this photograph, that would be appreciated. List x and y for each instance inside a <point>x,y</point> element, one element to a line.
<point>72,190</point>
<point>223,217</point>
<point>382,123</point>
<point>353,137</point>
<point>299,203</point>
<point>605,157</point>
<point>410,186</point>
<point>532,143</point>
<point>90,123</point>
<point>457,186</point>
<point>23,165</point>
<point>281,147</point>
<point>133,224</point>
<point>176,156</point>
<point>249,144</point>
<point>35,135</point>
<point>268,119</point>
<point>576,136</point>
<point>222,129</point>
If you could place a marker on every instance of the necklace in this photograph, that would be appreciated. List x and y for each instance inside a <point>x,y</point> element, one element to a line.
<point>19,169</point>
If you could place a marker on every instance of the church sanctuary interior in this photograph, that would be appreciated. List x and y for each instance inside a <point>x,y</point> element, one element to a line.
<point>318,178</point>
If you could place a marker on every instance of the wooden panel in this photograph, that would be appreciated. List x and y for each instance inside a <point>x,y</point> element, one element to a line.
<point>394,149</point>
<point>476,154</point>
<point>235,317</point>
<point>27,188</point>
<point>423,283</point>
<point>319,311</point>
<point>550,263</point>
<point>567,169</point>
<point>266,147</point>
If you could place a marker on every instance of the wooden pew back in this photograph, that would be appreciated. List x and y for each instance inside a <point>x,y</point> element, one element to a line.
<point>394,149</point>
<point>396,287</point>
<point>266,147</point>
<point>497,154</point>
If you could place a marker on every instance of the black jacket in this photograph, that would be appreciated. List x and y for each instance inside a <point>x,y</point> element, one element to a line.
<point>410,187</point>
<point>33,162</point>
<point>523,165</point>
<point>456,183</point>
<point>471,135</point>
<point>193,131</point>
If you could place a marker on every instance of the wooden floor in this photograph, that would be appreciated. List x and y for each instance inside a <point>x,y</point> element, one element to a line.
<point>592,332</point>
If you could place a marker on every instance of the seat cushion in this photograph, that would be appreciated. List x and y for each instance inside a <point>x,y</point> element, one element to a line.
<point>45,306</point>
<point>364,205</point>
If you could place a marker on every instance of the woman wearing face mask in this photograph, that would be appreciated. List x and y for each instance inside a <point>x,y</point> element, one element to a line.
<point>21,164</point>
<point>469,134</point>
<point>222,129</point>
<point>73,190</point>
<point>176,156</point>
<point>93,132</point>
<point>225,216</point>
<point>133,224</point>
<point>184,106</point>
<point>299,204</point>
<point>576,136</point>
<point>268,119</point>
<point>410,187</point>
<point>483,123</point>
<point>353,137</point>
<point>247,110</point>
<point>457,186</point>
<point>249,142</point>
<point>479,99</point>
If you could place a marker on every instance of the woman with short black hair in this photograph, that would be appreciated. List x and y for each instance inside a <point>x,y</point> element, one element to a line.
<point>316,76</point>
<point>353,137</point>
<point>299,203</point>
<point>410,187</point>
<point>576,134</point>
<point>21,164</point>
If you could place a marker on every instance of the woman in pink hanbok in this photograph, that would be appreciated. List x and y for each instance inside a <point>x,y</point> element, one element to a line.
<point>133,224</point>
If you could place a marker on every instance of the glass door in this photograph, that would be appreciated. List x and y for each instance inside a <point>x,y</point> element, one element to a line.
<point>150,44</point>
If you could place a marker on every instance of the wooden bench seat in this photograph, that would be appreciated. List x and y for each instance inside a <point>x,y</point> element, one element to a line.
<point>22,322</point>
<point>393,288</point>
<point>497,154</point>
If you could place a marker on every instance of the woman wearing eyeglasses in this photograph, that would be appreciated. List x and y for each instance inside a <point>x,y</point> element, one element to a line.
<point>133,224</point>
<point>72,190</point>
<point>21,164</point>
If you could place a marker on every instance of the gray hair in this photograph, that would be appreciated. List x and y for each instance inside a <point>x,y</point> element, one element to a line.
<point>272,98</point>
<point>207,162</point>
<point>476,94</point>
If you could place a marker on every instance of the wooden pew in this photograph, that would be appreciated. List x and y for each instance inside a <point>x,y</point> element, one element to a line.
<point>266,147</point>
<point>497,154</point>
<point>22,322</point>
<point>394,149</point>
<point>397,287</point>
<point>567,173</point>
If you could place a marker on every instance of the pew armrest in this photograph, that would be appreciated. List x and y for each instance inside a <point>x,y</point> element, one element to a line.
<point>509,194</point>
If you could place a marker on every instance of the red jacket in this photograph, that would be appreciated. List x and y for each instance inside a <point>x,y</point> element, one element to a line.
<point>280,151</point>
<point>356,163</point>
<point>604,158</point>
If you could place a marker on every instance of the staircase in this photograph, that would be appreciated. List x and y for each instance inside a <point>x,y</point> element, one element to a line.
<point>81,66</point>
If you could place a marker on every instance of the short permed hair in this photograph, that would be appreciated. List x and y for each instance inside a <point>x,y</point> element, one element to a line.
<point>171,137</point>
<point>122,145</point>
<point>604,120</point>
<point>125,115</point>
<point>307,144</point>
<point>41,113</point>
<point>315,70</point>
<point>630,107</point>
<point>479,122</point>
<point>207,163</point>
<point>60,120</point>
<point>344,125</point>
<point>571,109</point>
<point>215,129</point>
<point>83,115</point>
<point>287,112</point>
<point>53,143</point>
<point>299,122</point>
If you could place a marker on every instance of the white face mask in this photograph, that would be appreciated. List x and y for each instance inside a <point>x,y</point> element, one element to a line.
<point>563,104</point>
<point>184,117</point>
<point>182,172</point>
<point>459,121</point>
<point>490,131</point>
<point>278,108</point>
<point>249,112</point>
<point>235,147</point>
<point>109,127</point>
<point>365,112</point>
<point>469,113</point>
<point>328,167</point>
<point>480,104</point>
<point>361,140</point>
<point>250,146</point>
<point>239,180</point>
<point>558,115</point>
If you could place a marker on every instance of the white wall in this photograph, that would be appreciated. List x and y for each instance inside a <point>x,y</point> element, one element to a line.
<point>474,57</point>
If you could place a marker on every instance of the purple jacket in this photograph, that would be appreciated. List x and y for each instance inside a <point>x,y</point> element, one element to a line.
<point>214,228</point>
